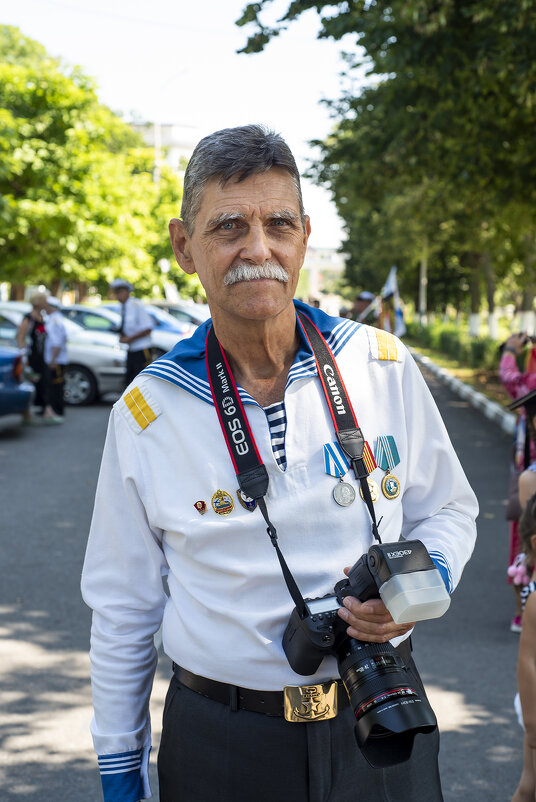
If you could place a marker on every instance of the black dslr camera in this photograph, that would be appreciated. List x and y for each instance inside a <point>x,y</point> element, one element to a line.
<point>389,705</point>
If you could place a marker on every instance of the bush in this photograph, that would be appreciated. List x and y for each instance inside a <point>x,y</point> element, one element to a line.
<point>451,340</point>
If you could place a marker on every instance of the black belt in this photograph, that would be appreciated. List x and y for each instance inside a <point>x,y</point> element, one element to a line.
<point>268,702</point>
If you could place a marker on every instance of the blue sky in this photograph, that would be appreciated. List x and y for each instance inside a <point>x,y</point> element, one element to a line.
<point>176,62</point>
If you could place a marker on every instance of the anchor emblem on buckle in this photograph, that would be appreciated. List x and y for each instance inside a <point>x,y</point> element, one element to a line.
<point>310,702</point>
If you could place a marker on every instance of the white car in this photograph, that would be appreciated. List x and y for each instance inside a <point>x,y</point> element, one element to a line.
<point>186,311</point>
<point>97,362</point>
<point>106,318</point>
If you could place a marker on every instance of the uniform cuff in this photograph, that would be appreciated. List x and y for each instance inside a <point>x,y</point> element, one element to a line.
<point>125,775</point>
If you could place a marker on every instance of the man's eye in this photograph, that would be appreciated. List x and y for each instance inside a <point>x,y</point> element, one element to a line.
<point>228,225</point>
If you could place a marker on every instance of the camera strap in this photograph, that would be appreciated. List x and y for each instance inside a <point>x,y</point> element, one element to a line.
<point>249,468</point>
<point>347,429</point>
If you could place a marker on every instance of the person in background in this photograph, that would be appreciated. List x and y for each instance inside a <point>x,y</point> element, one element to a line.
<point>517,385</point>
<point>135,331</point>
<point>525,703</point>
<point>31,337</point>
<point>360,306</point>
<point>55,360</point>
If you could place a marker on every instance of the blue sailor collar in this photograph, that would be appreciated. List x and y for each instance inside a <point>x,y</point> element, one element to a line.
<point>185,364</point>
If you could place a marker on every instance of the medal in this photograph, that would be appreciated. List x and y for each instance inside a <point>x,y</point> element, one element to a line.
<point>390,486</point>
<point>374,490</point>
<point>387,458</point>
<point>344,493</point>
<point>222,502</point>
<point>201,507</point>
<point>247,502</point>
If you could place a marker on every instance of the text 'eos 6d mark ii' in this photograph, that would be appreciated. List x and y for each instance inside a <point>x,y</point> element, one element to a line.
<point>390,707</point>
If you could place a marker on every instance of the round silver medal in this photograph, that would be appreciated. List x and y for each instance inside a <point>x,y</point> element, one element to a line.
<point>344,494</point>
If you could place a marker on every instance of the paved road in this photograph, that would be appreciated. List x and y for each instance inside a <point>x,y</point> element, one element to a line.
<point>48,476</point>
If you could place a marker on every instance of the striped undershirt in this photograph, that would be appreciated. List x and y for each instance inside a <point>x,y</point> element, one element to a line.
<point>277,421</point>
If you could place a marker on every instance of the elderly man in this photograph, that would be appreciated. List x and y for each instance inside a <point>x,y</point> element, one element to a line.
<point>135,331</point>
<point>244,438</point>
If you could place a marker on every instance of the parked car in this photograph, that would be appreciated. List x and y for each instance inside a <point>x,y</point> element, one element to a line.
<point>186,311</point>
<point>166,333</point>
<point>96,361</point>
<point>15,393</point>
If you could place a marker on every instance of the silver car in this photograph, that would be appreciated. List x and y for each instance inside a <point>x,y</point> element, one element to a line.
<point>106,318</point>
<point>96,362</point>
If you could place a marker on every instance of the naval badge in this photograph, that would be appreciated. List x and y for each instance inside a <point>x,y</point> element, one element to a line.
<point>374,490</point>
<point>222,502</point>
<point>201,507</point>
<point>247,502</point>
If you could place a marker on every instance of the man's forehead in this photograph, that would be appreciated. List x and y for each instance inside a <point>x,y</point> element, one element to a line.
<point>273,190</point>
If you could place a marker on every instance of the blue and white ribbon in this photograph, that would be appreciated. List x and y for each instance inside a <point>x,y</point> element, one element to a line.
<point>335,460</point>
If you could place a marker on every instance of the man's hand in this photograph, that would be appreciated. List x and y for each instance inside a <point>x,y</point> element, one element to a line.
<point>371,621</point>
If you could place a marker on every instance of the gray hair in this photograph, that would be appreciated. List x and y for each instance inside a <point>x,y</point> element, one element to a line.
<point>234,153</point>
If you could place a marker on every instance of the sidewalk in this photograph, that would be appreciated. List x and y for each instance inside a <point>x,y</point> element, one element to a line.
<point>491,409</point>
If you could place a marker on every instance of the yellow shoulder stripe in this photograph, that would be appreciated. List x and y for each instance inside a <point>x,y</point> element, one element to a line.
<point>386,345</point>
<point>140,409</point>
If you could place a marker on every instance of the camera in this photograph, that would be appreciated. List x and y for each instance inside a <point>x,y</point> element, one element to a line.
<point>389,704</point>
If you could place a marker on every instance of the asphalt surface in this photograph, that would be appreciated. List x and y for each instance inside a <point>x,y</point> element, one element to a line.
<point>48,477</point>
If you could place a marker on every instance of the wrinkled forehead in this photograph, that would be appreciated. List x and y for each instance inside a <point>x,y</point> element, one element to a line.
<point>268,192</point>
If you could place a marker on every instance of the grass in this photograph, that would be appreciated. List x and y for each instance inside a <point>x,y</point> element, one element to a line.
<point>486,382</point>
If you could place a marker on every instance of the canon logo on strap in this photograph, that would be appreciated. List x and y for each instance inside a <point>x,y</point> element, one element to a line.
<point>334,390</point>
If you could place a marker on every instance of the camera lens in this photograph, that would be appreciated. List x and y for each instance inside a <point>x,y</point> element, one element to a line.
<point>388,704</point>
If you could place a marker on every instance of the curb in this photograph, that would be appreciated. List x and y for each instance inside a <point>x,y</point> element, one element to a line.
<point>492,410</point>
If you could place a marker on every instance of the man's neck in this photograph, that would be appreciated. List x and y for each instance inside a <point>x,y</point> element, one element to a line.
<point>261,354</point>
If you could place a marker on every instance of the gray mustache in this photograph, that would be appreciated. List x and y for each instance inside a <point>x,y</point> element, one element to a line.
<point>246,272</point>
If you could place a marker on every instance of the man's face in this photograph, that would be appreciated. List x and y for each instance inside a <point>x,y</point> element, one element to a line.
<point>252,223</point>
<point>121,293</point>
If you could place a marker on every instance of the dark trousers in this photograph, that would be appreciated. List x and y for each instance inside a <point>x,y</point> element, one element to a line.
<point>55,382</point>
<point>208,752</point>
<point>136,362</point>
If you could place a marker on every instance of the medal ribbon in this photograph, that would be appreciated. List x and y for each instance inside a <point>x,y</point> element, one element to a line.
<point>387,456</point>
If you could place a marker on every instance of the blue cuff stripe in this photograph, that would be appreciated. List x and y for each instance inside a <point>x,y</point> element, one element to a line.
<point>444,569</point>
<point>125,786</point>
<point>120,776</point>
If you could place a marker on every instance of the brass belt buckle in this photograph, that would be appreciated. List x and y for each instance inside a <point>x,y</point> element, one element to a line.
<point>310,702</point>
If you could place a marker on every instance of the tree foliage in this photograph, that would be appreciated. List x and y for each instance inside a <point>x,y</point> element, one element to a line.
<point>78,202</point>
<point>435,151</point>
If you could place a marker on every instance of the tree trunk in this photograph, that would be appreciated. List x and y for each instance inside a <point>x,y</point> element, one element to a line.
<point>16,292</point>
<point>489,274</point>
<point>54,286</point>
<point>474,261</point>
<point>80,290</point>
<point>423,283</point>
<point>527,317</point>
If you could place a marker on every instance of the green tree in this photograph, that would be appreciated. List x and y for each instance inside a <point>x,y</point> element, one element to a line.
<point>78,203</point>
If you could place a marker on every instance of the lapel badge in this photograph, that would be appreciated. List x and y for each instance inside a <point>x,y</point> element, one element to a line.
<point>201,507</point>
<point>247,502</point>
<point>222,502</point>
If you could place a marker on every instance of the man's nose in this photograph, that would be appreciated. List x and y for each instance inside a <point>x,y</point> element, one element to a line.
<point>256,247</point>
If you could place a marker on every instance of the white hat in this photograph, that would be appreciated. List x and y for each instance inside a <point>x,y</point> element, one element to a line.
<point>366,296</point>
<point>53,301</point>
<point>120,283</point>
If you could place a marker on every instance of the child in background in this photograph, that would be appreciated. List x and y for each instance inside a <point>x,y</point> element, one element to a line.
<point>526,665</point>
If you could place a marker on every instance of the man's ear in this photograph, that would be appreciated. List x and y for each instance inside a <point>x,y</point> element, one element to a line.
<point>180,244</point>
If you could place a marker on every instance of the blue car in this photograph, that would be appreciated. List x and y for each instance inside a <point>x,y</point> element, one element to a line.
<point>15,394</point>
